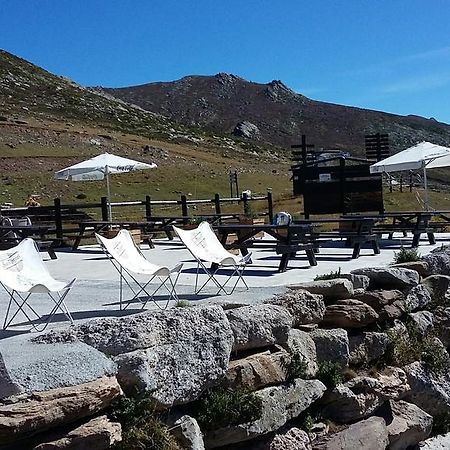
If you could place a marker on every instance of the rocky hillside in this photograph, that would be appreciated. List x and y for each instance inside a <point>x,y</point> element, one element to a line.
<point>275,114</point>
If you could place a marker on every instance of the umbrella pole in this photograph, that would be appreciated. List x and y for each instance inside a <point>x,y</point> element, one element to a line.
<point>108,189</point>
<point>425,183</point>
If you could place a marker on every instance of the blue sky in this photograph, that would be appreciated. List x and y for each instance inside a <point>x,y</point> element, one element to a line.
<point>390,55</point>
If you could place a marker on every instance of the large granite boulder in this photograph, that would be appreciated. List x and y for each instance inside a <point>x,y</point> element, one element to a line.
<point>304,307</point>
<point>367,346</point>
<point>258,370</point>
<point>247,130</point>
<point>423,321</point>
<point>301,344</point>
<point>437,285</point>
<point>429,392</point>
<point>279,405</point>
<point>335,289</point>
<point>349,313</point>
<point>438,261</point>
<point>56,407</point>
<point>418,298</point>
<point>360,282</point>
<point>259,326</point>
<point>27,366</point>
<point>379,298</point>
<point>188,433</point>
<point>294,438</point>
<point>389,277</point>
<point>331,345</point>
<point>409,425</point>
<point>99,434</point>
<point>441,321</point>
<point>419,266</point>
<point>369,434</point>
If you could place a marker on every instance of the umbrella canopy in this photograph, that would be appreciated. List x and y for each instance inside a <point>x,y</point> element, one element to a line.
<point>101,167</point>
<point>424,155</point>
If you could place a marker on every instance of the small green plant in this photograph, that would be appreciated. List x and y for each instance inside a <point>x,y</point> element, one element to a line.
<point>330,374</point>
<point>405,255</point>
<point>296,367</point>
<point>434,357</point>
<point>249,212</point>
<point>227,406</point>
<point>307,422</point>
<point>329,276</point>
<point>182,304</point>
<point>142,426</point>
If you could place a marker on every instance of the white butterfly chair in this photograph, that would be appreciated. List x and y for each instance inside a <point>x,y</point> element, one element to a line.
<point>205,247</point>
<point>22,273</point>
<point>129,260</point>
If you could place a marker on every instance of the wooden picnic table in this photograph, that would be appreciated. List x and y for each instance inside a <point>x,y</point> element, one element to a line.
<point>288,239</point>
<point>11,235</point>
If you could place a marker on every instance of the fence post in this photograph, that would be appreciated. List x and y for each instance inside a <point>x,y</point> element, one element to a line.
<point>148,208</point>
<point>270,206</point>
<point>104,206</point>
<point>184,209</point>
<point>390,183</point>
<point>58,218</point>
<point>401,183</point>
<point>410,181</point>
<point>245,201</point>
<point>217,203</point>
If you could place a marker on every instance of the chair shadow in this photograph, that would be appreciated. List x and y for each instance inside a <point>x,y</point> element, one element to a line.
<point>249,271</point>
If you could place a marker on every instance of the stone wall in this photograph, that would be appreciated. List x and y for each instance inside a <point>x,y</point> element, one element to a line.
<point>355,362</point>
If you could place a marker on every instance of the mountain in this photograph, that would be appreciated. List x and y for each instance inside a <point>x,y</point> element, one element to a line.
<point>274,114</point>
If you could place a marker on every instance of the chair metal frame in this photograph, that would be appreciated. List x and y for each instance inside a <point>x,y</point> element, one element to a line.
<point>236,264</point>
<point>20,298</point>
<point>126,276</point>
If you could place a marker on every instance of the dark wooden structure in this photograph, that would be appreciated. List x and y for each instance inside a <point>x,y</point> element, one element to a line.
<point>377,146</point>
<point>334,182</point>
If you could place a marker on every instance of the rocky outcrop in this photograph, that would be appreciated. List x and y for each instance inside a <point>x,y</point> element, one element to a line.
<point>337,289</point>
<point>56,407</point>
<point>259,326</point>
<point>389,277</point>
<point>349,314</point>
<point>279,404</point>
<point>99,434</point>
<point>331,345</point>
<point>304,307</point>
<point>247,130</point>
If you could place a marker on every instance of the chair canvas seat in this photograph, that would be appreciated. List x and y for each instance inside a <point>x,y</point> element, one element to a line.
<point>205,247</point>
<point>128,260</point>
<point>22,271</point>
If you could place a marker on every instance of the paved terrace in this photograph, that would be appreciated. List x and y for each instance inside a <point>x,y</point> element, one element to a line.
<point>96,292</point>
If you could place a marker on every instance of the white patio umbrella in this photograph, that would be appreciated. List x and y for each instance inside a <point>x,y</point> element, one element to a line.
<point>424,155</point>
<point>101,167</point>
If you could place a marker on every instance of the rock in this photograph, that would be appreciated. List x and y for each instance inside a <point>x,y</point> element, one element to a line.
<point>430,393</point>
<point>393,383</point>
<point>300,343</point>
<point>247,130</point>
<point>115,336</point>
<point>358,281</point>
<point>99,434</point>
<point>367,346</point>
<point>409,425</point>
<point>442,324</point>
<point>304,307</point>
<point>437,285</point>
<point>379,298</point>
<point>392,311</point>
<point>349,314</point>
<point>279,405</point>
<point>56,407</point>
<point>389,277</point>
<point>337,289</point>
<point>423,321</point>
<point>421,267</point>
<point>418,298</point>
<point>294,438</point>
<point>258,370</point>
<point>438,261</point>
<point>441,442</point>
<point>188,433</point>
<point>370,434</point>
<point>259,326</point>
<point>331,345</point>
<point>26,366</point>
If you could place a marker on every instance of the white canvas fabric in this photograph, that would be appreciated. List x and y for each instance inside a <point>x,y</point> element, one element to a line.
<point>96,168</point>
<point>129,261</point>
<point>205,247</point>
<point>423,155</point>
<point>22,273</point>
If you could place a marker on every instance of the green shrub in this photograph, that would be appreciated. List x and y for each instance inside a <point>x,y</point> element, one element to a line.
<point>405,255</point>
<point>307,422</point>
<point>297,367</point>
<point>329,276</point>
<point>142,426</point>
<point>182,304</point>
<point>330,374</point>
<point>227,406</point>
<point>434,357</point>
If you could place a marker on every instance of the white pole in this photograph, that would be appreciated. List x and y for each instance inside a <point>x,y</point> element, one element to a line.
<point>425,183</point>
<point>108,193</point>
